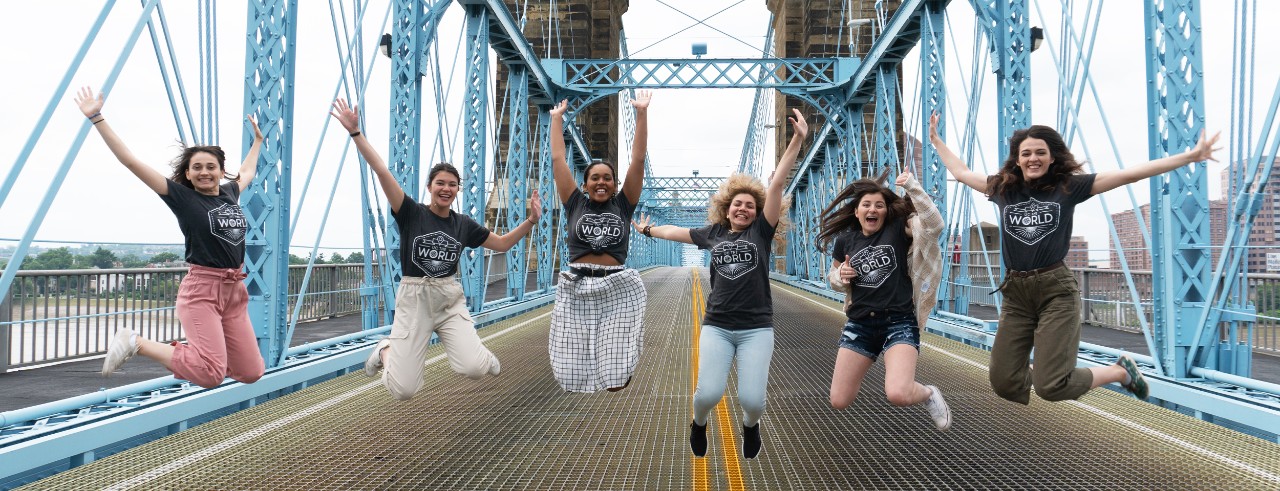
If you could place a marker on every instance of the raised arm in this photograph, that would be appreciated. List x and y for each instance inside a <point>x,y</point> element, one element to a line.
<point>1106,181</point>
<point>504,242</point>
<point>565,187</point>
<point>668,232</point>
<point>927,220</point>
<point>639,146</point>
<point>349,117</point>
<point>958,168</point>
<point>249,167</point>
<point>773,195</point>
<point>92,108</point>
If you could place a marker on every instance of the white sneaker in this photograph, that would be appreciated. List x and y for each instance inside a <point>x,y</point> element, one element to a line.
<point>495,368</point>
<point>121,348</point>
<point>374,362</point>
<point>938,409</point>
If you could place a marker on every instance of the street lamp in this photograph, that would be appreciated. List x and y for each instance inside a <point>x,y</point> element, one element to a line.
<point>1037,38</point>
<point>384,45</point>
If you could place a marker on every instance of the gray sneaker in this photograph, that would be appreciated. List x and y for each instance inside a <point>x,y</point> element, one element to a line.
<point>938,409</point>
<point>121,348</point>
<point>374,362</point>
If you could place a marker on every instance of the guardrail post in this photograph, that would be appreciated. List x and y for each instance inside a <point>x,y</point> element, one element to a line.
<point>6,315</point>
<point>1087,305</point>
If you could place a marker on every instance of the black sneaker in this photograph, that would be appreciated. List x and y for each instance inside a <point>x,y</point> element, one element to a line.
<point>751,441</point>
<point>698,439</point>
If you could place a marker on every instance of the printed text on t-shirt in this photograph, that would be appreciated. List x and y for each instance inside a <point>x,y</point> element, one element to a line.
<point>1031,220</point>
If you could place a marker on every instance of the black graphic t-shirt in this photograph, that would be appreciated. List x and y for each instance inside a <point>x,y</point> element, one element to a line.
<point>883,284</point>
<point>740,296</point>
<point>430,245</point>
<point>214,226</point>
<point>1037,224</point>
<point>598,228</point>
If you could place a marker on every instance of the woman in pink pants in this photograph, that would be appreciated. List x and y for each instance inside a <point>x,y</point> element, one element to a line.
<point>212,300</point>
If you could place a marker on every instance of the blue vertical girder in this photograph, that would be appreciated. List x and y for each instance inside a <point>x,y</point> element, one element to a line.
<point>270,54</point>
<point>475,141</point>
<point>1180,242</point>
<point>517,175</point>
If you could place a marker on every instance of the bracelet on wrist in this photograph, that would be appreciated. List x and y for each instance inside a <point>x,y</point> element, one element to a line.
<point>357,133</point>
<point>94,115</point>
<point>647,230</point>
<point>99,120</point>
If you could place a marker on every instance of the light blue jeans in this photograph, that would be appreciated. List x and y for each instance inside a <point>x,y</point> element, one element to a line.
<point>717,349</point>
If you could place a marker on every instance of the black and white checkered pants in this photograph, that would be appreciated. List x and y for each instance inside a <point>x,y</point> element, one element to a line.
<point>597,329</point>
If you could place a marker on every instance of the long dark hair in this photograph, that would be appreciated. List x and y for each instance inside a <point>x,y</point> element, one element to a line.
<point>841,214</point>
<point>1060,170</point>
<point>183,162</point>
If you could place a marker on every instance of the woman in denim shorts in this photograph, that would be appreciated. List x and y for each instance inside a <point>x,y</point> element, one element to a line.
<point>872,236</point>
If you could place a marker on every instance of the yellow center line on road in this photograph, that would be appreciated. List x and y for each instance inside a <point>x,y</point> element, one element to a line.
<point>724,421</point>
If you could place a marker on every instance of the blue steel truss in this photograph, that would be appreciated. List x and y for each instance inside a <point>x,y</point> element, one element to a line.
<point>517,174</point>
<point>723,73</point>
<point>1180,246</point>
<point>270,53</point>
<point>1008,29</point>
<point>474,141</point>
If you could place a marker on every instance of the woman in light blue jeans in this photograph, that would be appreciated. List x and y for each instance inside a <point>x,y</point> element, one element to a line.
<point>738,325</point>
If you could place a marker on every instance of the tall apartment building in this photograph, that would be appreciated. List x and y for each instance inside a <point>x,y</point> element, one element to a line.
<point>1264,239</point>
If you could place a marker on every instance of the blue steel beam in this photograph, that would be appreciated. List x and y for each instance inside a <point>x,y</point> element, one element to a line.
<point>1180,242</point>
<point>722,73</point>
<point>270,56</point>
<point>886,124</point>
<point>933,174</point>
<point>543,232</point>
<point>475,140</point>
<point>517,174</point>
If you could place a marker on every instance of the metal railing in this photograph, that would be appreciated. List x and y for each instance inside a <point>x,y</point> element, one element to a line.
<point>1106,301</point>
<point>61,315</point>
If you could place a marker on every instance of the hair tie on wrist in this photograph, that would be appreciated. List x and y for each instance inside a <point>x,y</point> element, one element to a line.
<point>357,133</point>
<point>100,120</point>
<point>94,115</point>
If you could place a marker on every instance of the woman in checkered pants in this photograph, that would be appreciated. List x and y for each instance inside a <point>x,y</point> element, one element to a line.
<point>597,325</point>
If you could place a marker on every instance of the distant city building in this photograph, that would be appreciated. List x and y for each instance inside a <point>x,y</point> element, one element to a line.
<point>1264,241</point>
<point>1078,253</point>
<point>1264,244</point>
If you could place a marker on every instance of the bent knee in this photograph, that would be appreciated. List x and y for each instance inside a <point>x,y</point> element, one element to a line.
<point>207,381</point>
<point>899,397</point>
<point>1056,394</point>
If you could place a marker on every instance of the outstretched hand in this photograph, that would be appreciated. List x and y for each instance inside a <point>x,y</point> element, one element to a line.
<point>257,132</point>
<point>348,116</point>
<point>1205,147</point>
<point>645,221</point>
<point>901,181</point>
<point>933,127</point>
<point>89,105</point>
<point>560,108</point>
<point>535,207</point>
<point>798,124</point>
<point>641,102</point>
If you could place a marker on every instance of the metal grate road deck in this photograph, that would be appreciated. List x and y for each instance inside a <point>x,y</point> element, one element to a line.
<point>520,431</point>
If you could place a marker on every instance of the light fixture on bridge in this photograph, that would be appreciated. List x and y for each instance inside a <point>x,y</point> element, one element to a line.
<point>855,26</point>
<point>769,126</point>
<point>384,45</point>
<point>699,49</point>
<point>1037,38</point>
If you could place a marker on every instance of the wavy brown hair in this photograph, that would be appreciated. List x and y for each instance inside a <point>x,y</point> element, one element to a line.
<point>183,162</point>
<point>736,184</point>
<point>1059,173</point>
<point>841,214</point>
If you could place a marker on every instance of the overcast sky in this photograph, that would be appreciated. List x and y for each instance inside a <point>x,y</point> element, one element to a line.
<point>690,129</point>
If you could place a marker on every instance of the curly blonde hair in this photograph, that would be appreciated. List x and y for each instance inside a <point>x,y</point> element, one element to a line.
<point>737,184</point>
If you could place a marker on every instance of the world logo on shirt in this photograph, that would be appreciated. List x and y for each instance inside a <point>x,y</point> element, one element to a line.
<point>734,258</point>
<point>227,222</point>
<point>1031,220</point>
<point>874,264</point>
<point>436,253</point>
<point>600,230</point>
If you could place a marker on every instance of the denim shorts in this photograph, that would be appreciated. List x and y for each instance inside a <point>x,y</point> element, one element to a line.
<point>872,336</point>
